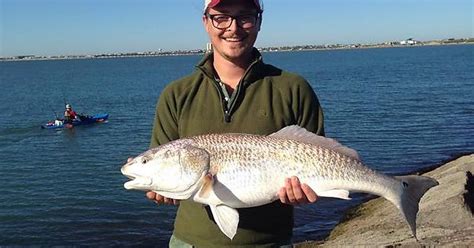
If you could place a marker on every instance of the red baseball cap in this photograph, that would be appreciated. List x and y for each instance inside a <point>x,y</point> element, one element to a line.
<point>213,3</point>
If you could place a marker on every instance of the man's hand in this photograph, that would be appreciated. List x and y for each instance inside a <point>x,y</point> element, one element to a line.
<point>296,193</point>
<point>158,199</point>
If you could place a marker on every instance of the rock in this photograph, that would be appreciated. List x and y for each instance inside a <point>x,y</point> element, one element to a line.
<point>445,217</point>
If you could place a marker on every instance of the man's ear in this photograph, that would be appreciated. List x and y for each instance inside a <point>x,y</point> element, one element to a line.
<point>259,22</point>
<point>205,21</point>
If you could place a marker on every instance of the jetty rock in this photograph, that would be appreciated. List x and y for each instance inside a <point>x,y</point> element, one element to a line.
<point>445,217</point>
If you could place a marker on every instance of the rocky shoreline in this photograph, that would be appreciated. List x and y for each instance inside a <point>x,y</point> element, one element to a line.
<point>445,217</point>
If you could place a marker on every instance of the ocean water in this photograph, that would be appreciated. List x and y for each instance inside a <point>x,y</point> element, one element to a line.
<point>403,109</point>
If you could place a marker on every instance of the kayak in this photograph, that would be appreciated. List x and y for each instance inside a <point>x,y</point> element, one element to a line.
<point>82,120</point>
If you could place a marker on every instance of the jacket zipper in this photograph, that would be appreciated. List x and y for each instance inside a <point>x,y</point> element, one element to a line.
<point>227,116</point>
<point>224,111</point>
<point>227,113</point>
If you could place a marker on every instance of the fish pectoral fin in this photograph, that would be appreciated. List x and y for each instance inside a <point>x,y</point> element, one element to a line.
<point>227,219</point>
<point>207,186</point>
<point>335,193</point>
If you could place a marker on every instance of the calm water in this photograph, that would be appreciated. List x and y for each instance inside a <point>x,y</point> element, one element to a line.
<point>402,108</point>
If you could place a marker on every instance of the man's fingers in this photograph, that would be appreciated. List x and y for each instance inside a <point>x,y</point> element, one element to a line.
<point>297,191</point>
<point>289,191</point>
<point>282,195</point>
<point>311,196</point>
<point>159,199</point>
<point>129,159</point>
<point>150,195</point>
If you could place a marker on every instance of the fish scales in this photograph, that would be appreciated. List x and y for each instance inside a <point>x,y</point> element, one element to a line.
<point>234,152</point>
<point>240,155</point>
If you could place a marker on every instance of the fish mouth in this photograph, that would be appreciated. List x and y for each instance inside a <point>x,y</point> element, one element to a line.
<point>136,181</point>
<point>126,173</point>
<point>140,183</point>
<point>131,177</point>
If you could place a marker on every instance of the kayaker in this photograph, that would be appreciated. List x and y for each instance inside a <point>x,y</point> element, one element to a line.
<point>69,114</point>
<point>234,91</point>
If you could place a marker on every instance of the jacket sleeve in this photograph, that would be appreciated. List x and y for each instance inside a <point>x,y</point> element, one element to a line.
<point>165,124</point>
<point>310,112</point>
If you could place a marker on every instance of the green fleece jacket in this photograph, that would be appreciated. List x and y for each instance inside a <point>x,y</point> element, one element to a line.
<point>267,99</point>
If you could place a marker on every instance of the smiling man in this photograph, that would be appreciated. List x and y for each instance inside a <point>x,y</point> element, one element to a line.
<point>232,27</point>
<point>233,91</point>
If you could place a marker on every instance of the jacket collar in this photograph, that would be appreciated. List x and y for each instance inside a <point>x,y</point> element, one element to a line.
<point>252,73</point>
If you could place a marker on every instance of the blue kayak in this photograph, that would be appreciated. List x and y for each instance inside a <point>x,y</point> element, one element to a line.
<point>82,120</point>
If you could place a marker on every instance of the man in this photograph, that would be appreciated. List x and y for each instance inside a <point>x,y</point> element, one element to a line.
<point>233,91</point>
<point>69,114</point>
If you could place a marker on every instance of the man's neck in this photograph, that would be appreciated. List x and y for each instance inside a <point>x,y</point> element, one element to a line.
<point>231,72</point>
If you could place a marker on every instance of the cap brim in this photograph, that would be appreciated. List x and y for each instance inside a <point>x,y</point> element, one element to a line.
<point>214,3</point>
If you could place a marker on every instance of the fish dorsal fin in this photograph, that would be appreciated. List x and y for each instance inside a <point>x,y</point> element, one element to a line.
<point>298,133</point>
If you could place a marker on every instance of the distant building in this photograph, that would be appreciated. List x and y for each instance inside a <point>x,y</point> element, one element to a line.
<point>208,47</point>
<point>409,41</point>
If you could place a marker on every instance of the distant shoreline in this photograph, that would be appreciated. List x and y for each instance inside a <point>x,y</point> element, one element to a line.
<point>469,41</point>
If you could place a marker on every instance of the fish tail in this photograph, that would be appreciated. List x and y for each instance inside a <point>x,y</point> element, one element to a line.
<point>413,188</point>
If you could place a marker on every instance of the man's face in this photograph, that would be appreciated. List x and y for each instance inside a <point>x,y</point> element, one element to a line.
<point>233,43</point>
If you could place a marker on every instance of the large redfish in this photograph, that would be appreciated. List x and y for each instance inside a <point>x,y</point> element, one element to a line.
<point>248,170</point>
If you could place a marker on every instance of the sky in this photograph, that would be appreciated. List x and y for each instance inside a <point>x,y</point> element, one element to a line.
<point>79,27</point>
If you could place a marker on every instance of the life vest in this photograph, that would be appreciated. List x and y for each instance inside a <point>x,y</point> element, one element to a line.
<point>71,114</point>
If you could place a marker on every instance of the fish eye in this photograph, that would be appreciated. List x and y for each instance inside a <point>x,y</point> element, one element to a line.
<point>145,159</point>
